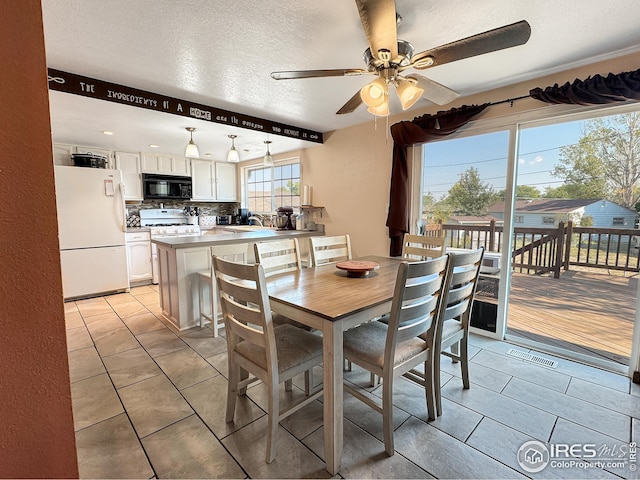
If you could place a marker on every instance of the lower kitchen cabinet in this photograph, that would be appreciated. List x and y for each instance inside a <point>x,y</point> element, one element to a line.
<point>139,258</point>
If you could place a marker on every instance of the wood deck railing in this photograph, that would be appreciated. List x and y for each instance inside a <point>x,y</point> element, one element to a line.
<point>546,250</point>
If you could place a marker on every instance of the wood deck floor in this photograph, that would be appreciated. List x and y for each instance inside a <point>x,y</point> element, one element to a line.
<point>588,313</point>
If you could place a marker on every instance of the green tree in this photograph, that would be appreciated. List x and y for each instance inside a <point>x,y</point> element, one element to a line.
<point>605,163</point>
<point>522,192</point>
<point>434,211</point>
<point>469,196</point>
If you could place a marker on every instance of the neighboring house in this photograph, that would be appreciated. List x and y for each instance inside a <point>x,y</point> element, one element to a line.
<point>545,212</point>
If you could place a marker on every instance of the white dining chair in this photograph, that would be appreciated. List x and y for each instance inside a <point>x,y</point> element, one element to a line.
<point>422,247</point>
<point>207,290</point>
<point>273,354</point>
<point>330,249</point>
<point>408,340</point>
<point>456,318</point>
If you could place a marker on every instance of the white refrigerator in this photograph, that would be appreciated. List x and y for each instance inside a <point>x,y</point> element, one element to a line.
<point>91,229</point>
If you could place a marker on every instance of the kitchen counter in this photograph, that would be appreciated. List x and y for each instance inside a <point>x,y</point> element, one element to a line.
<point>181,258</point>
<point>232,234</point>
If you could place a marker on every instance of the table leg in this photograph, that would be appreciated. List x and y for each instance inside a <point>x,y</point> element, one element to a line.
<point>333,400</point>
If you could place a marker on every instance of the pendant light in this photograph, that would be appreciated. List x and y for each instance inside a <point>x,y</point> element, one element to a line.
<point>233,155</point>
<point>268,159</point>
<point>192,149</point>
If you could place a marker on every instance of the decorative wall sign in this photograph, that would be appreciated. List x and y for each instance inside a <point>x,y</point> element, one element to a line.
<point>112,92</point>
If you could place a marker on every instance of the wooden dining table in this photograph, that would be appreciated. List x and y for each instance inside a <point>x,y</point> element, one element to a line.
<point>328,299</point>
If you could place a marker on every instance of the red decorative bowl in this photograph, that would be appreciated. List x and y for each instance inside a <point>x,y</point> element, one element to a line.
<point>357,268</point>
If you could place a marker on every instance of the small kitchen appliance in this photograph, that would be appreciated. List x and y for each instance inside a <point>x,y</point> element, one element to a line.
<point>284,218</point>
<point>166,187</point>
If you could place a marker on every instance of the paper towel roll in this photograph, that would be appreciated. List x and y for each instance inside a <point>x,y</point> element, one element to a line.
<point>306,195</point>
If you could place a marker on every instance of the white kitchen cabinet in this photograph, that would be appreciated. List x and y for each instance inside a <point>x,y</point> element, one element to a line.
<point>62,154</point>
<point>165,164</point>
<point>225,182</point>
<point>139,258</point>
<point>129,163</point>
<point>97,151</point>
<point>213,181</point>
<point>203,177</point>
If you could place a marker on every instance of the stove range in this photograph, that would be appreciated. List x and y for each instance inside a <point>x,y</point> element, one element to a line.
<point>166,222</point>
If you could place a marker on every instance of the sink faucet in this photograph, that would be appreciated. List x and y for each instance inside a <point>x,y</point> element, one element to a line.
<point>254,219</point>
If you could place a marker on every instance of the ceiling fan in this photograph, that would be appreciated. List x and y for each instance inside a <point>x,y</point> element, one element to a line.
<point>387,57</point>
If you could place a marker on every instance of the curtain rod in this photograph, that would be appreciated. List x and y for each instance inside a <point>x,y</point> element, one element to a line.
<point>509,100</point>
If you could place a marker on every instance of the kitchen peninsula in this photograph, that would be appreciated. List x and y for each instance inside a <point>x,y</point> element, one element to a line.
<point>180,258</point>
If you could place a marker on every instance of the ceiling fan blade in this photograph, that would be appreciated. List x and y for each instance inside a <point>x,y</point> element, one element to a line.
<point>378,19</point>
<point>289,75</point>
<point>353,103</point>
<point>433,91</point>
<point>491,41</point>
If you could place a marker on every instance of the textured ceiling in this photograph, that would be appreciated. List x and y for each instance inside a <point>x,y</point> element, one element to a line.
<point>220,53</point>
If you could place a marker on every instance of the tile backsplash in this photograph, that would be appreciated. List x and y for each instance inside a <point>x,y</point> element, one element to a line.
<point>206,208</point>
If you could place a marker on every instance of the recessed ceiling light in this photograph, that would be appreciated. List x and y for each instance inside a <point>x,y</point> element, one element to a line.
<point>107,132</point>
<point>153,145</point>
<point>207,154</point>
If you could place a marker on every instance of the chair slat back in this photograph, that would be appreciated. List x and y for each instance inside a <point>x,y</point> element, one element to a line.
<point>464,278</point>
<point>245,306</point>
<point>417,300</point>
<point>278,256</point>
<point>421,247</point>
<point>336,248</point>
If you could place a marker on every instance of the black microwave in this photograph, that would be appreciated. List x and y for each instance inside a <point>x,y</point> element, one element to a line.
<point>166,187</point>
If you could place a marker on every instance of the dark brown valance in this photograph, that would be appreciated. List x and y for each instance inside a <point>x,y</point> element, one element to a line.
<point>594,90</point>
<point>419,130</point>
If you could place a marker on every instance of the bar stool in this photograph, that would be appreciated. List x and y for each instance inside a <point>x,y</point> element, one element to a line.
<point>235,253</point>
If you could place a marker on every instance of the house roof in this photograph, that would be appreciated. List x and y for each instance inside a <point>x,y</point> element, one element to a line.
<point>545,205</point>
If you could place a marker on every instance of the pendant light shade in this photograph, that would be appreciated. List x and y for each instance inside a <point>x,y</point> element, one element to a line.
<point>380,111</point>
<point>408,93</point>
<point>268,159</point>
<point>375,93</point>
<point>192,149</point>
<point>233,155</point>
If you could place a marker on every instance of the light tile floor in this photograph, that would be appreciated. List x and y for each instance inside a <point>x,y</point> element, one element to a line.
<point>148,402</point>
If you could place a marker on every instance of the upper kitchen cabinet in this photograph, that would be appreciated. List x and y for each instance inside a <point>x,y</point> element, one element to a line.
<point>225,182</point>
<point>165,164</point>
<point>129,163</point>
<point>203,178</point>
<point>62,154</point>
<point>213,181</point>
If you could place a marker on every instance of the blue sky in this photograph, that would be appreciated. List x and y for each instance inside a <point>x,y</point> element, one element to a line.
<point>539,148</point>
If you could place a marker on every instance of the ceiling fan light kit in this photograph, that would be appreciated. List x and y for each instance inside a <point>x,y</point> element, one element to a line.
<point>192,149</point>
<point>268,159</point>
<point>408,93</point>
<point>233,156</point>
<point>375,93</point>
<point>387,57</point>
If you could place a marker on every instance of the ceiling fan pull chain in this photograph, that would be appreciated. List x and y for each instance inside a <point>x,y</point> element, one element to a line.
<point>386,138</point>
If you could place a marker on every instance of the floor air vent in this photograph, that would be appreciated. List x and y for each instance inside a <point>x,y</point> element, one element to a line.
<point>545,362</point>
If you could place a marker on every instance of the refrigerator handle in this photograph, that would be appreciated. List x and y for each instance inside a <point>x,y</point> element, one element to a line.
<point>124,208</point>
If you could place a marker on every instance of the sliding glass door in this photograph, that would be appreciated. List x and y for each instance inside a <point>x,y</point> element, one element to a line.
<point>554,203</point>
